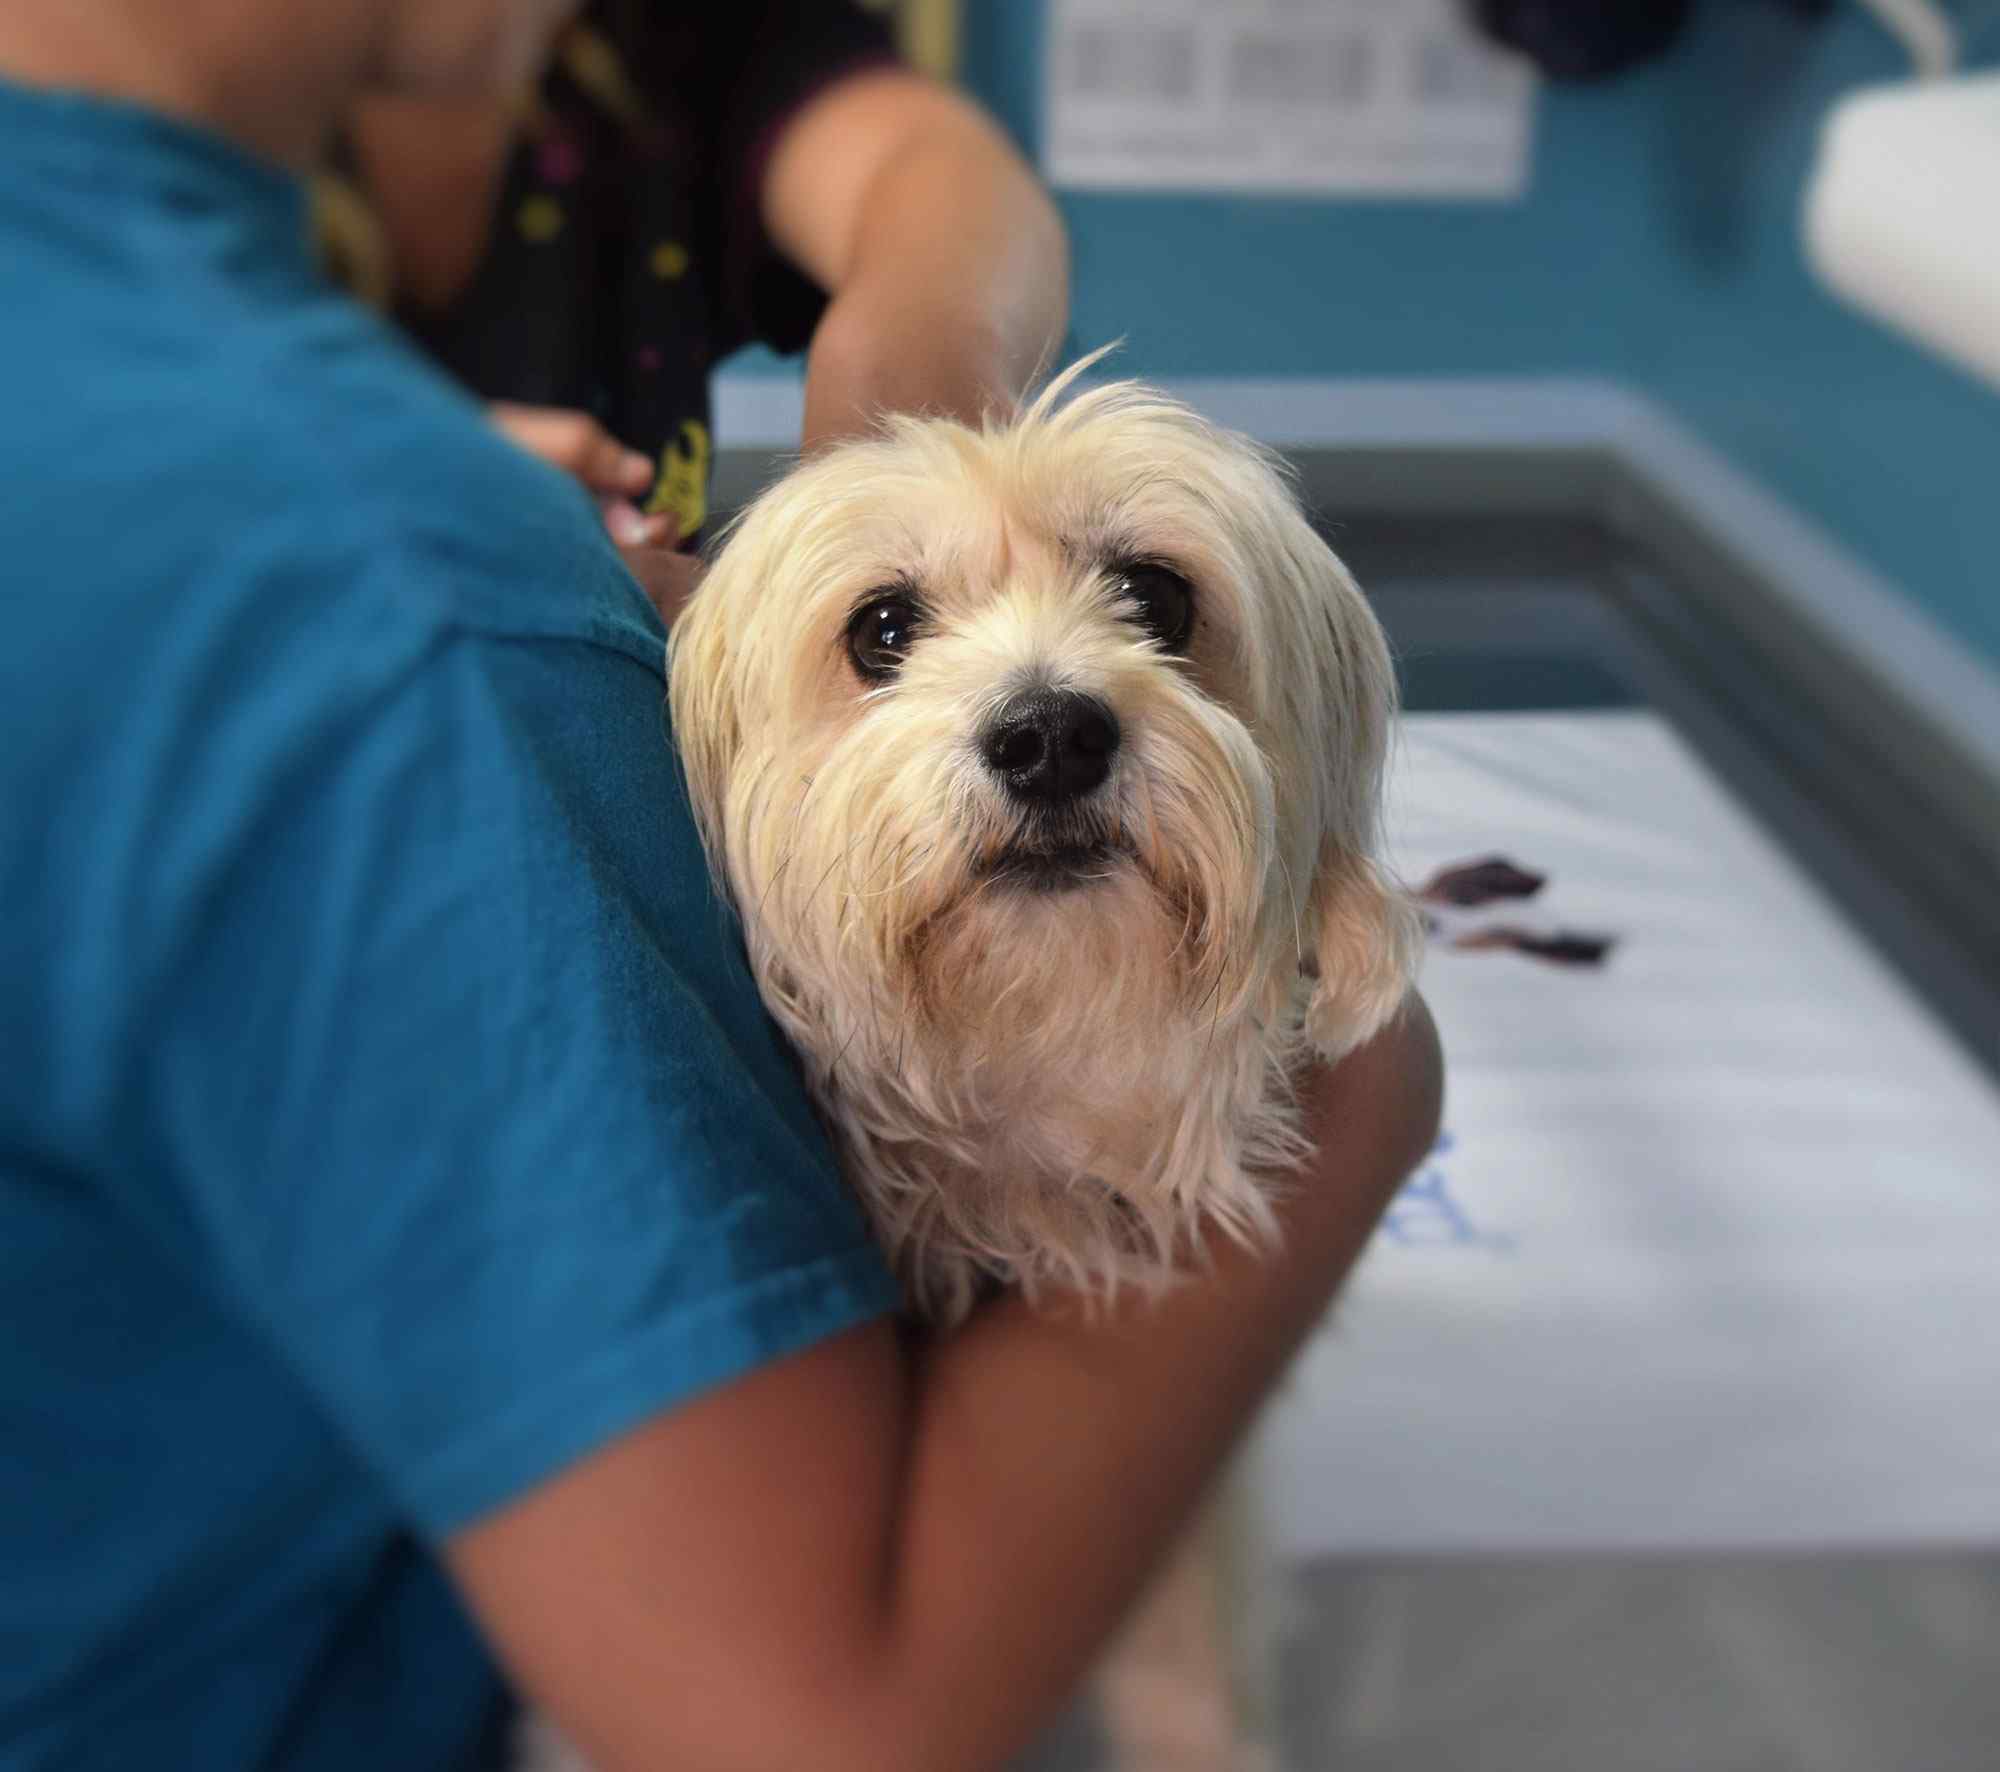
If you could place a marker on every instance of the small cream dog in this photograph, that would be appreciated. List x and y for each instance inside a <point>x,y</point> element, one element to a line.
<point>1043,763</point>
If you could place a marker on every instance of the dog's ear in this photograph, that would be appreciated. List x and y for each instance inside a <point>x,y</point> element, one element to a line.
<point>1364,934</point>
<point>1367,941</point>
<point>702,689</point>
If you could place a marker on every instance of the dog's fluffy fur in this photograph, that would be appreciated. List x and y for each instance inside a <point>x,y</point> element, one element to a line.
<point>1052,1089</point>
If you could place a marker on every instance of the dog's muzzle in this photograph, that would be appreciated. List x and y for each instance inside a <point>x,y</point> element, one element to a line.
<point>1048,747</point>
<point>1051,750</point>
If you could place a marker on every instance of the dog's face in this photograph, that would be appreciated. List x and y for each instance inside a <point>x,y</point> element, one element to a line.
<point>1032,755</point>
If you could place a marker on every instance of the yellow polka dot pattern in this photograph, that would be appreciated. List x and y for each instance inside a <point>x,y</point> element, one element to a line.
<point>669,260</point>
<point>539,218</point>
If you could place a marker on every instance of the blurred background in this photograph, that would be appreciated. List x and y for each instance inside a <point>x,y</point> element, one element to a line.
<point>1644,361</point>
<point>1655,240</point>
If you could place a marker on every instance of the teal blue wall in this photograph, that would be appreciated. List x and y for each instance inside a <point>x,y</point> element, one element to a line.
<point>1659,246</point>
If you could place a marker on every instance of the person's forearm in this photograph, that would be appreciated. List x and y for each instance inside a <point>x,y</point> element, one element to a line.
<point>945,260</point>
<point>1052,1461</point>
<point>860,1561</point>
<point>958,319</point>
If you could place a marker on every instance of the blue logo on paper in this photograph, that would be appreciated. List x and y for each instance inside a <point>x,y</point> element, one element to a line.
<point>1426,1214</point>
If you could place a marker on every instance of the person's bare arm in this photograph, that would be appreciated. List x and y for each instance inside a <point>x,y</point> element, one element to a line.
<point>944,258</point>
<point>861,1561</point>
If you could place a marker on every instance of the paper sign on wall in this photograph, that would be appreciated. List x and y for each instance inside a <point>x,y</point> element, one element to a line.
<point>1365,98</point>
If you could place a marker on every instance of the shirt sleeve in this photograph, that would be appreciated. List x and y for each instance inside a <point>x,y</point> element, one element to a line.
<point>760,62</point>
<point>473,1104</point>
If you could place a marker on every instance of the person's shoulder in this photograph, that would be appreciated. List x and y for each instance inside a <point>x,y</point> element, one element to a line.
<point>401,474</point>
<point>193,408</point>
<point>298,450</point>
<point>236,549</point>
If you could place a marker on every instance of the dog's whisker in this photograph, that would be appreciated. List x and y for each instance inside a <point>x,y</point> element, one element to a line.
<point>1214,1022</point>
<point>777,874</point>
<point>791,845</point>
<point>798,923</point>
<point>1292,896</point>
<point>895,886</point>
<point>833,1064</point>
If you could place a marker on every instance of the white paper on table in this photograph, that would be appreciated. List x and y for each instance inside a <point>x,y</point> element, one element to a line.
<point>1368,98</point>
<point>1711,1258</point>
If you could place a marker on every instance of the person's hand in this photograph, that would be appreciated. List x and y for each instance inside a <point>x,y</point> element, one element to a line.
<point>613,475</point>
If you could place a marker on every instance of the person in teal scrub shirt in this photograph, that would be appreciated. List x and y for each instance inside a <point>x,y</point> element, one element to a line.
<point>422,1279</point>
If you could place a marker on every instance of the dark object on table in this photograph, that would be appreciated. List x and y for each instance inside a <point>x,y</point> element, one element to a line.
<point>1583,39</point>
<point>1565,947</point>
<point>1481,882</point>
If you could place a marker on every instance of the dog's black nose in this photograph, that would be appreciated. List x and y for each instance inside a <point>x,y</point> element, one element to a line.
<point>1051,745</point>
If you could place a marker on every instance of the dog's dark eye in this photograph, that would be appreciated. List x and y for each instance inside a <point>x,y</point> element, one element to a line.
<point>880,634</point>
<point>1162,602</point>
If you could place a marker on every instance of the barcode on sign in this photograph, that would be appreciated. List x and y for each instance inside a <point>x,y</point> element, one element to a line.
<point>1359,97</point>
<point>1130,61</point>
<point>1268,69</point>
<point>1450,71</point>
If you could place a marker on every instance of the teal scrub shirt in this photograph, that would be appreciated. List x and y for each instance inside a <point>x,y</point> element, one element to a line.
<point>387,1117</point>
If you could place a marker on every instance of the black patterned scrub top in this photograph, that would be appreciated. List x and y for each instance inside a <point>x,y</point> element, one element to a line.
<point>626,257</point>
